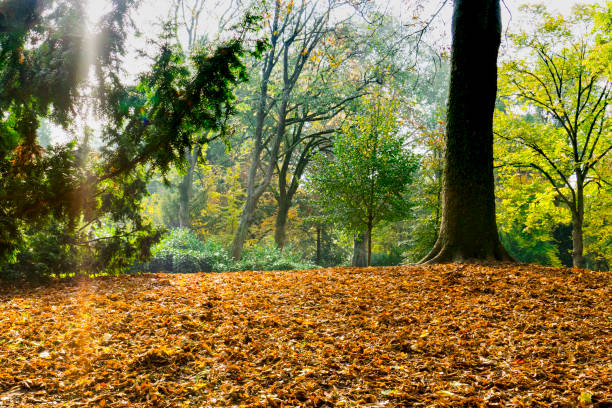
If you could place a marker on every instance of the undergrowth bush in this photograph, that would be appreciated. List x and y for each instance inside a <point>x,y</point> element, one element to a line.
<point>181,251</point>
<point>391,258</point>
<point>42,254</point>
<point>271,259</point>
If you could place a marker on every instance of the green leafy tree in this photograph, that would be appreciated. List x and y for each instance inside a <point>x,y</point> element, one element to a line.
<point>598,229</point>
<point>528,215</point>
<point>44,65</point>
<point>556,120</point>
<point>295,31</point>
<point>602,54</point>
<point>95,196</point>
<point>364,179</point>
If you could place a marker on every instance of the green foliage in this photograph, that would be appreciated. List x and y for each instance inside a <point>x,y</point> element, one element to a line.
<point>391,258</point>
<point>364,180</point>
<point>182,251</point>
<point>426,190</point>
<point>598,229</point>
<point>182,240</point>
<point>553,135</point>
<point>57,250</point>
<point>528,247</point>
<point>528,214</point>
<point>602,55</point>
<point>428,119</point>
<point>44,253</point>
<point>95,198</point>
<point>269,258</point>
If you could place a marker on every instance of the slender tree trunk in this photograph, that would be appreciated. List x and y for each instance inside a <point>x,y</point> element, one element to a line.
<point>577,241</point>
<point>287,192</point>
<point>280,229</point>
<point>577,225</point>
<point>186,189</point>
<point>248,210</point>
<point>243,228</point>
<point>252,197</point>
<point>318,258</point>
<point>283,200</point>
<point>370,243</point>
<point>254,193</point>
<point>468,230</point>
<point>360,250</point>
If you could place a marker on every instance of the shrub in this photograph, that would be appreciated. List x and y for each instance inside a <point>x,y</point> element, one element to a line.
<point>270,259</point>
<point>391,258</point>
<point>182,240</point>
<point>189,261</point>
<point>182,252</point>
<point>42,254</point>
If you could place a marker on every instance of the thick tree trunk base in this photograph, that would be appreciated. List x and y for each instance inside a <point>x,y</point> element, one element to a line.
<point>441,254</point>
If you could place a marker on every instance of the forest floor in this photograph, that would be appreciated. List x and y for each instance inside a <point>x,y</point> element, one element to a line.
<point>435,336</point>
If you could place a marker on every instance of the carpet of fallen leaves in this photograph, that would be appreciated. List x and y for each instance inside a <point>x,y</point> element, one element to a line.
<point>435,336</point>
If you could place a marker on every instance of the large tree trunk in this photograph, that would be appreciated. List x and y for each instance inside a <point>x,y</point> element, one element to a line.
<point>360,250</point>
<point>468,230</point>
<point>577,224</point>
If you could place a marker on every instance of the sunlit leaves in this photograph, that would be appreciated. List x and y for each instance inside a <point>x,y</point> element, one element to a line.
<point>553,124</point>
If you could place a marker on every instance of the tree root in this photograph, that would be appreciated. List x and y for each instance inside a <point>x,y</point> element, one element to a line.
<point>441,254</point>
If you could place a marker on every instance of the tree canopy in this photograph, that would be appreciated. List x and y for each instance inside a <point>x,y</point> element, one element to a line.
<point>556,123</point>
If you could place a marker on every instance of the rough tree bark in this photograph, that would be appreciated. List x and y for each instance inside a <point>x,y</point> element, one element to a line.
<point>468,231</point>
